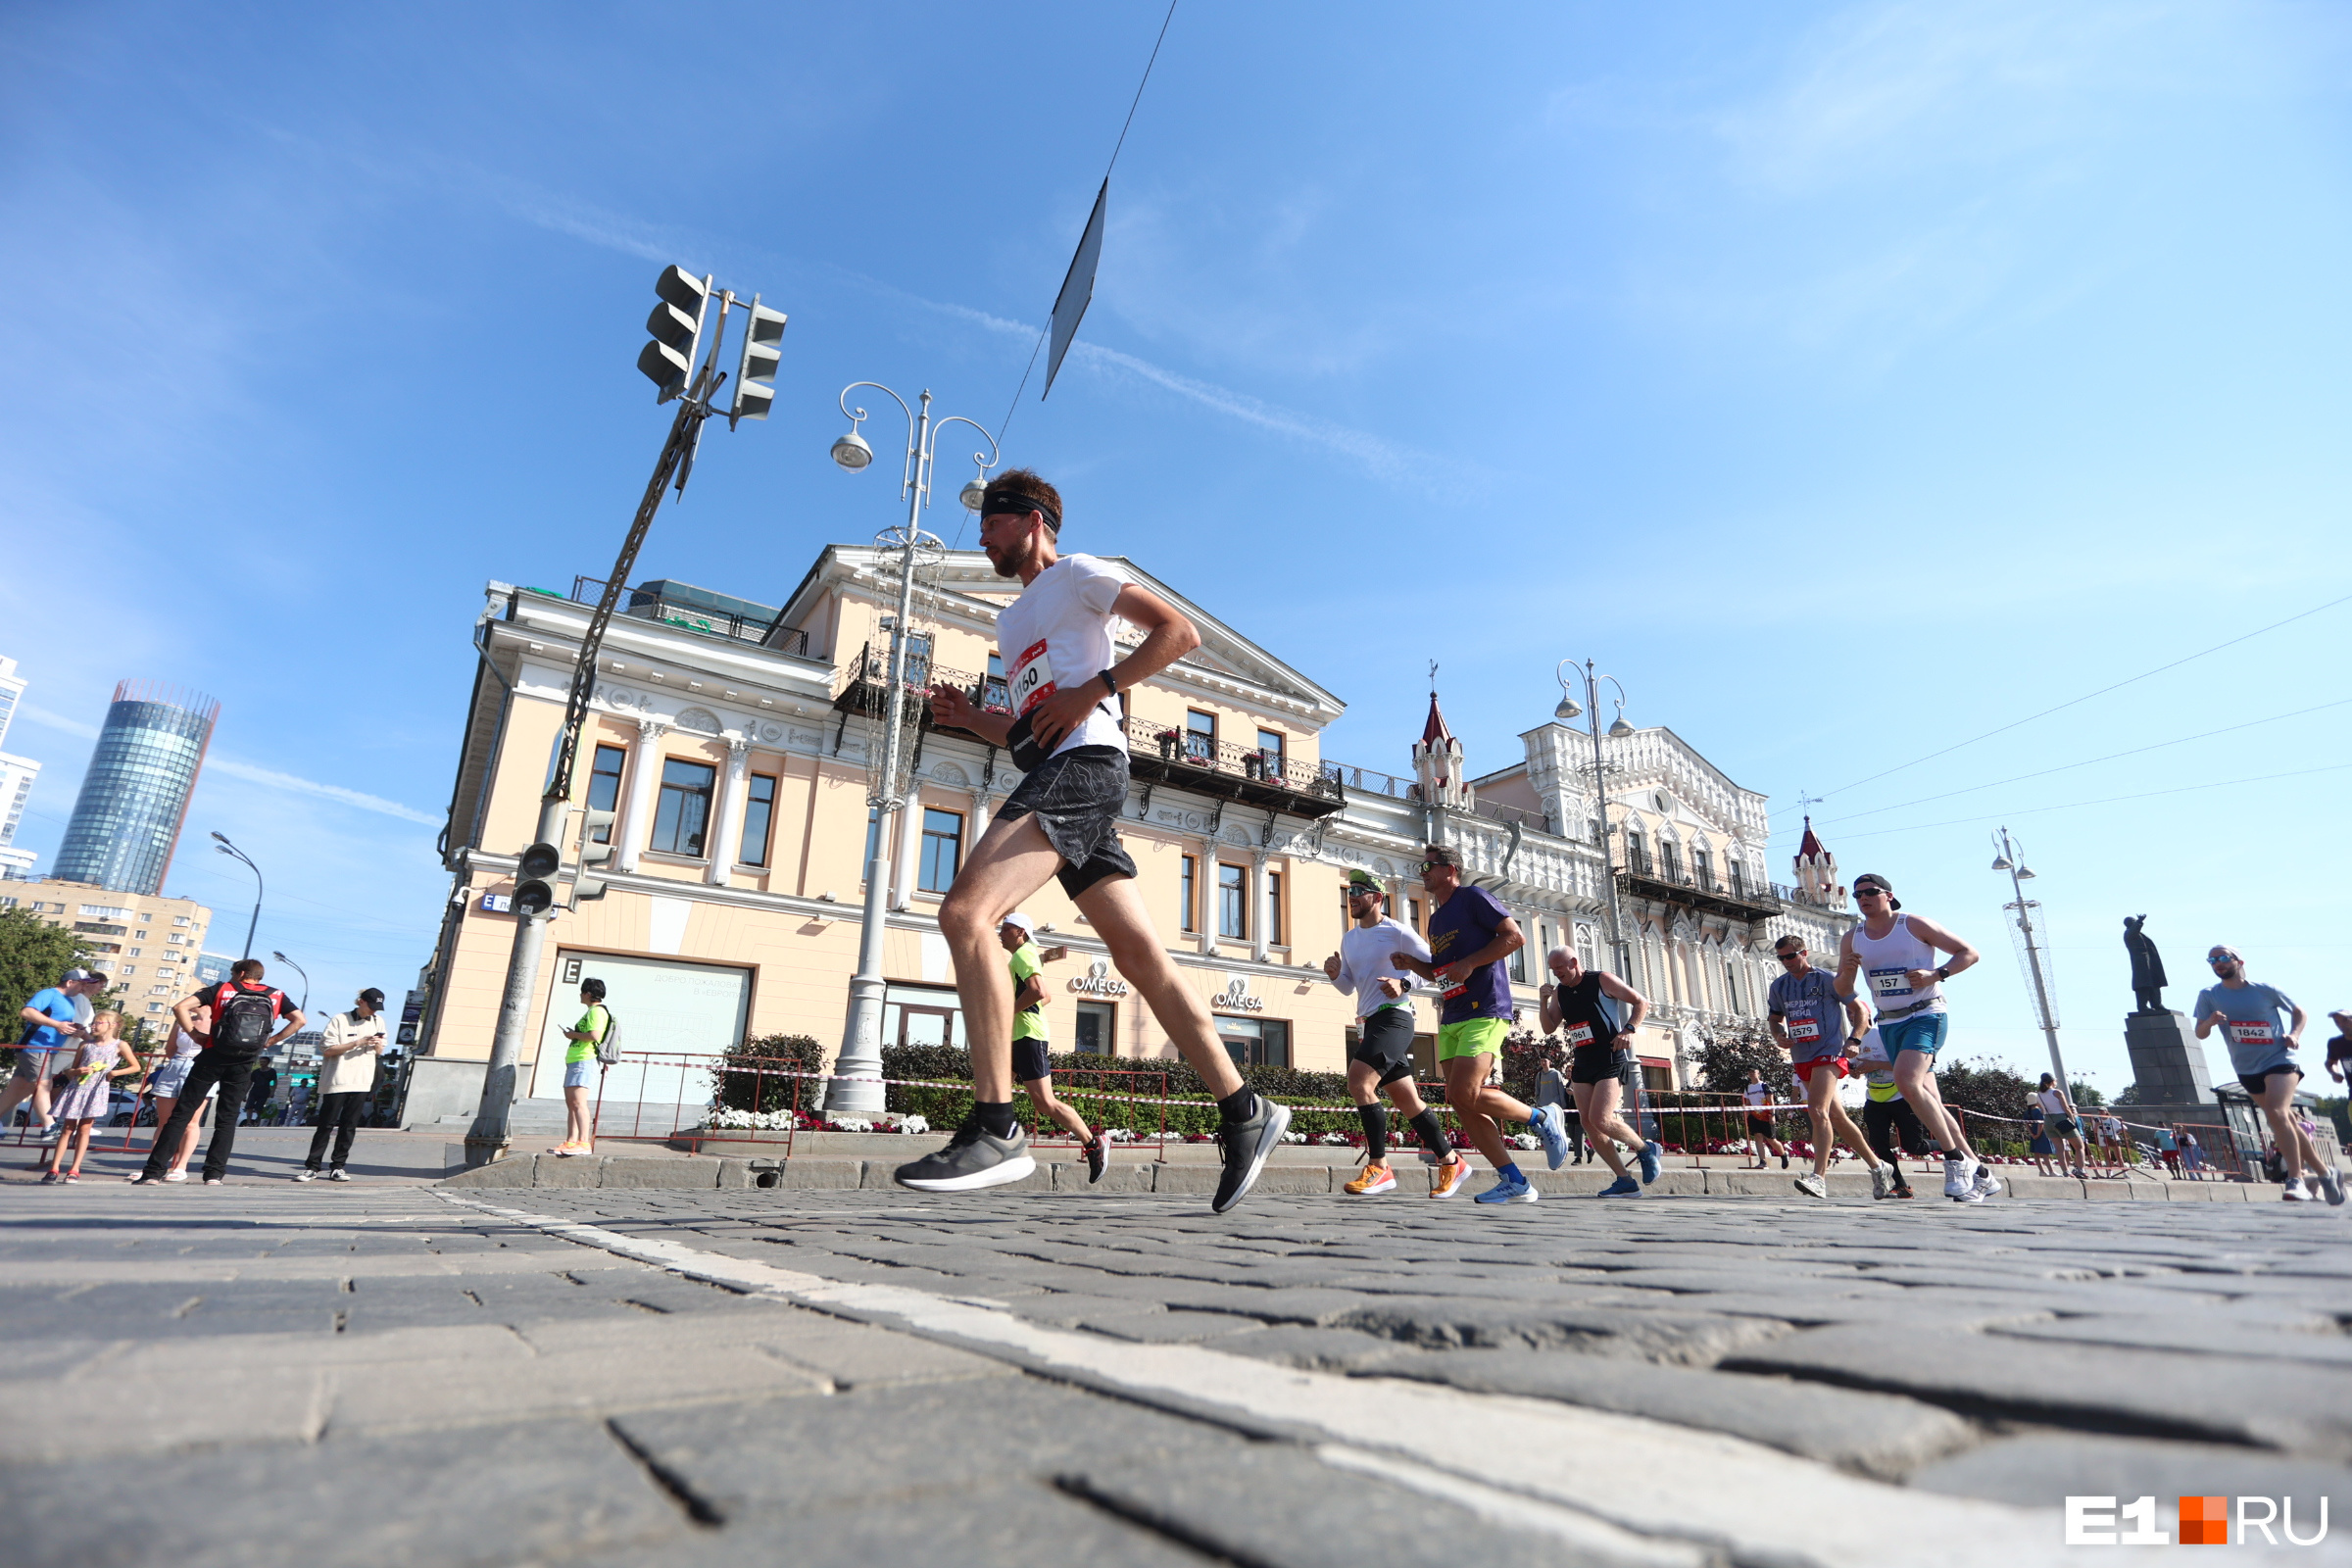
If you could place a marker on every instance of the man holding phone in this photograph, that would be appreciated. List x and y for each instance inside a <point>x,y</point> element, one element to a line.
<point>346,1081</point>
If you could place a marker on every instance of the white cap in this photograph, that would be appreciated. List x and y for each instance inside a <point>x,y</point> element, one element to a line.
<point>1027,925</point>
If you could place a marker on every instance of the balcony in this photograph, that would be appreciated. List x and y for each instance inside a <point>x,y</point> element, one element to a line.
<point>866,691</point>
<point>1192,761</point>
<point>1671,882</point>
<point>641,603</point>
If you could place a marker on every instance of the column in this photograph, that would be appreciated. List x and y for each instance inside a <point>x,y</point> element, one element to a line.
<point>911,844</point>
<point>1255,905</point>
<point>636,823</point>
<point>724,836</point>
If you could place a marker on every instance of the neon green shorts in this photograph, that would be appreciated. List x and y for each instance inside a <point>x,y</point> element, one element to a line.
<point>1472,1037</point>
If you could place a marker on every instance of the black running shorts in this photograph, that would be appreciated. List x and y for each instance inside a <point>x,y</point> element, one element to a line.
<point>1077,797</point>
<point>1385,1042</point>
<point>1029,1060</point>
<point>1593,1064</point>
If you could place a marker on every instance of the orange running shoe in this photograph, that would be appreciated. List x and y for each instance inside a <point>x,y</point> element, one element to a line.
<point>1377,1178</point>
<point>1449,1177</point>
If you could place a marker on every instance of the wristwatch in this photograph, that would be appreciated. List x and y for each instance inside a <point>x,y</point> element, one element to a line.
<point>1942,972</point>
<point>1110,682</point>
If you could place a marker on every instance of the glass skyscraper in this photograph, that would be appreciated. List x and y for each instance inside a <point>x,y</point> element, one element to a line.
<point>127,817</point>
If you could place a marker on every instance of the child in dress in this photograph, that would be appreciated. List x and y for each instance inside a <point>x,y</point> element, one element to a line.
<point>103,1057</point>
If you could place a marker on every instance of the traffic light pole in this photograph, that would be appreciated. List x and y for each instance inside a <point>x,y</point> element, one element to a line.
<point>490,1136</point>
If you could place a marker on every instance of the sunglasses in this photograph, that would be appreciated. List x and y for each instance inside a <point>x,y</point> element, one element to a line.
<point>1432,866</point>
<point>2224,958</point>
<point>1870,890</point>
<point>1788,958</point>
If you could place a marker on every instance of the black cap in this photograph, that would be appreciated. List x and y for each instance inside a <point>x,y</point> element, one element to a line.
<point>373,997</point>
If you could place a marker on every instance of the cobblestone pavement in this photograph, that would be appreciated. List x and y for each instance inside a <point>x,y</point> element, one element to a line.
<point>267,1373</point>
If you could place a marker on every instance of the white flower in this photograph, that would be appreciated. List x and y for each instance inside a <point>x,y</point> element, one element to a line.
<point>914,1124</point>
<point>1294,1138</point>
<point>1524,1141</point>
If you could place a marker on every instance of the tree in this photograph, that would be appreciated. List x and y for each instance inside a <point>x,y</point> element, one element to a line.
<point>1987,1088</point>
<point>32,955</point>
<point>1727,1054</point>
<point>2085,1095</point>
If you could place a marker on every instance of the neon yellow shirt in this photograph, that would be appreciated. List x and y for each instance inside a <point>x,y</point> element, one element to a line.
<point>1028,1023</point>
<point>592,1022</point>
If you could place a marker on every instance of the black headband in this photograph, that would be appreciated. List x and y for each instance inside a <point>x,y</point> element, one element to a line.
<point>996,500</point>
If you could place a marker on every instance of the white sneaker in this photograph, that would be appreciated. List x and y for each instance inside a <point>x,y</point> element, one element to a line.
<point>1880,1180</point>
<point>1987,1183</point>
<point>1812,1186</point>
<point>338,1174</point>
<point>1959,1178</point>
<point>305,1175</point>
<point>175,1175</point>
<point>2295,1193</point>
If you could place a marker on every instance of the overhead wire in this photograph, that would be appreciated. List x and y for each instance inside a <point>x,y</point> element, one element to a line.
<point>2073,702</point>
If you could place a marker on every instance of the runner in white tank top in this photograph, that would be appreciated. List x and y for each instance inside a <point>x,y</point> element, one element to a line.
<point>1893,955</point>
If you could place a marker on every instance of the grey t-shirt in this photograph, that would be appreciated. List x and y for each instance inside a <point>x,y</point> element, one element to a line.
<point>2256,1019</point>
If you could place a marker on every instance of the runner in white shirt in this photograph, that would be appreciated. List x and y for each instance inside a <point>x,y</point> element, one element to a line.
<point>1382,1057</point>
<point>1062,822</point>
<point>1895,953</point>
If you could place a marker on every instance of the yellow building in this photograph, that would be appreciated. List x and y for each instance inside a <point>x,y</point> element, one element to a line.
<point>145,944</point>
<point>729,738</point>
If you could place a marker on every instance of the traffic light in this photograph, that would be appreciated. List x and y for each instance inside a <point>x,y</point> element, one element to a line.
<point>534,892</point>
<point>755,372</point>
<point>594,856</point>
<point>677,328</point>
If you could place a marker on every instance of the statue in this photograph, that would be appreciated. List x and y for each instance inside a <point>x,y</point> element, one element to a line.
<point>2147,965</point>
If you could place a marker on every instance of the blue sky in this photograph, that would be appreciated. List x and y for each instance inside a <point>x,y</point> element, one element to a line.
<point>1851,380</point>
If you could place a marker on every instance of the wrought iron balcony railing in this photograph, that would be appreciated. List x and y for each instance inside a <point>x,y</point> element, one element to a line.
<point>641,604</point>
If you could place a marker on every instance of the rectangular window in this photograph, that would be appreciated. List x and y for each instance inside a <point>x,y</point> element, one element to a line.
<point>1199,736</point>
<point>1233,901</point>
<point>1702,868</point>
<point>1739,879</point>
<point>1670,857</point>
<point>1414,905</point>
<point>759,819</point>
<point>995,696</point>
<point>1187,897</point>
<point>1518,964</point>
<point>682,812</point>
<point>1731,988</point>
<point>1637,853</point>
<point>179,919</point>
<point>1274,909</point>
<point>138,952</point>
<point>604,785</point>
<point>943,850</point>
<point>1094,1033</point>
<point>922,1015</point>
<point>1255,1041</point>
<point>1268,761</point>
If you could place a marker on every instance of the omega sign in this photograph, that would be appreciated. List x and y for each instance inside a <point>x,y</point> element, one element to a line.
<point>1236,997</point>
<point>1098,981</point>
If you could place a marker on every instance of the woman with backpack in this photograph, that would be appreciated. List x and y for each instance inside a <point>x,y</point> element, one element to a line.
<point>579,1060</point>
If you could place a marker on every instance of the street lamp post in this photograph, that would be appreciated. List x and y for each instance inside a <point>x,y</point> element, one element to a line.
<point>305,1004</point>
<point>225,847</point>
<point>1569,708</point>
<point>2012,859</point>
<point>857,1070</point>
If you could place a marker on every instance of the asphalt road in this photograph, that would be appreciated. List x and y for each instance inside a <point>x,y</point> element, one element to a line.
<point>391,1373</point>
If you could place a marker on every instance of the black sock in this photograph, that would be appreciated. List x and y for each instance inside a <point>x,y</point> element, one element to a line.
<point>993,1116</point>
<point>1240,1106</point>
<point>1432,1131</point>
<point>1375,1118</point>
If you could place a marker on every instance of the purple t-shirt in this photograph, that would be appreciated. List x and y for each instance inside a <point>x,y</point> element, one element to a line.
<point>1462,925</point>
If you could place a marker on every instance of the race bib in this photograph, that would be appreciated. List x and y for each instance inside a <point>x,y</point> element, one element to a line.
<point>2253,1033</point>
<point>1803,1029</point>
<point>1032,678</point>
<point>1458,989</point>
<point>1580,1034</point>
<point>1889,984</point>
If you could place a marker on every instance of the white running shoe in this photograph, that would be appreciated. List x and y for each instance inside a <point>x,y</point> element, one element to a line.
<point>1959,1178</point>
<point>2295,1193</point>
<point>1987,1183</point>
<point>1812,1186</point>
<point>1882,1181</point>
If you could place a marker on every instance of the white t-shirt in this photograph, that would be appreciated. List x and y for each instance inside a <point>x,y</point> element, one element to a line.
<point>1059,632</point>
<point>1364,962</point>
<point>1758,1093</point>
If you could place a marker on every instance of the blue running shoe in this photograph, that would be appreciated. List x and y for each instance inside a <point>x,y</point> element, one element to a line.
<point>1651,1153</point>
<point>1512,1189</point>
<point>1622,1187</point>
<point>1549,1126</point>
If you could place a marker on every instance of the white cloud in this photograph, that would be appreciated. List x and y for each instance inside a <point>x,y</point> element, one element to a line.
<point>57,721</point>
<point>268,777</point>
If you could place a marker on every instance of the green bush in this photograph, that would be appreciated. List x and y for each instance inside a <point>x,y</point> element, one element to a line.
<point>748,1088</point>
<point>1117,1091</point>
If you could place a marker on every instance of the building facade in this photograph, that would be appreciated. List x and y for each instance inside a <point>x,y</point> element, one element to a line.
<point>17,774</point>
<point>730,742</point>
<point>134,798</point>
<point>147,946</point>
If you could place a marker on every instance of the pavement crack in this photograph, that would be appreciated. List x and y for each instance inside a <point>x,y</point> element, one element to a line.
<point>1154,1523</point>
<point>187,1306</point>
<point>695,1506</point>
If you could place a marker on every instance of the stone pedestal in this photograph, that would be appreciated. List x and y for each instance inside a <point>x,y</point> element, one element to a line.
<point>2168,1060</point>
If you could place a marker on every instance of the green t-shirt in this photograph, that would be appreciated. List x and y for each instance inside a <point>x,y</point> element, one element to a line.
<point>1029,1023</point>
<point>592,1022</point>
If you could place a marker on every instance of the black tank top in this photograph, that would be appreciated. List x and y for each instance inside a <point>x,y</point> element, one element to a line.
<point>1587,1018</point>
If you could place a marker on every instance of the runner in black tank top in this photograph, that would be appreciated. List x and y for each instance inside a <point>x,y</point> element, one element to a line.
<point>1595,1014</point>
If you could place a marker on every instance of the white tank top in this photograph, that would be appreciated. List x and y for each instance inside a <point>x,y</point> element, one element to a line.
<point>1884,963</point>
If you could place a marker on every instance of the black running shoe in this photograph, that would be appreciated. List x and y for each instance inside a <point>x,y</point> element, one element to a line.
<point>972,1160</point>
<point>1244,1147</point>
<point>1098,1158</point>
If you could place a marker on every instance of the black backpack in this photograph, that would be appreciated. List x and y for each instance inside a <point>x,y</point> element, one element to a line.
<point>242,1021</point>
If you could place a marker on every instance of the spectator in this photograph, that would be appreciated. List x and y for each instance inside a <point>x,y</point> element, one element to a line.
<point>2111,1141</point>
<point>346,1081</point>
<point>257,1096</point>
<point>2041,1148</point>
<point>2193,1155</point>
<point>51,1022</point>
<point>2168,1149</point>
<point>1759,1094</point>
<point>165,1084</point>
<point>243,1009</point>
<point>579,1133</point>
<point>2064,1123</point>
<point>104,1057</point>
